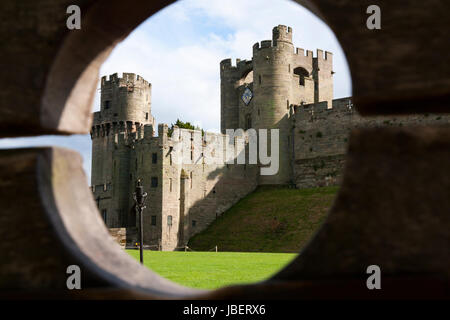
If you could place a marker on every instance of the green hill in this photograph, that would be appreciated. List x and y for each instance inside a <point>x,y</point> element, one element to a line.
<point>271,219</point>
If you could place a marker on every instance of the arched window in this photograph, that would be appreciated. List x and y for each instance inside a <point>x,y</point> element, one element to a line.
<point>302,74</point>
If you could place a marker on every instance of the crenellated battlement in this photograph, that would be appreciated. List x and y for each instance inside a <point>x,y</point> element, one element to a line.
<point>281,33</point>
<point>324,55</point>
<point>239,65</point>
<point>322,110</point>
<point>105,129</point>
<point>264,44</point>
<point>127,79</point>
<point>269,44</point>
<point>301,52</point>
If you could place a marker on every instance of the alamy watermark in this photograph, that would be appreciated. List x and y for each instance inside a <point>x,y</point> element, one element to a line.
<point>74,279</point>
<point>374,280</point>
<point>74,20</point>
<point>235,147</point>
<point>374,20</point>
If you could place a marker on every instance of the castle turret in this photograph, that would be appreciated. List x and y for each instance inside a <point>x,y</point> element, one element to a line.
<point>280,78</point>
<point>125,109</point>
<point>232,83</point>
<point>273,95</point>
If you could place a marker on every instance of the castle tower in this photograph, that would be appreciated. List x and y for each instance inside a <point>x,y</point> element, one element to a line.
<point>125,109</point>
<point>233,81</point>
<point>273,95</point>
<point>280,77</point>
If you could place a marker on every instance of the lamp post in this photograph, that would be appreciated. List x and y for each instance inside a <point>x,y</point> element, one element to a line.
<point>139,197</point>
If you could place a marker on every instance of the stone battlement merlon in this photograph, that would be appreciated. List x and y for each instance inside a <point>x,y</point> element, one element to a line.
<point>339,106</point>
<point>323,55</point>
<point>227,64</point>
<point>126,79</point>
<point>301,52</point>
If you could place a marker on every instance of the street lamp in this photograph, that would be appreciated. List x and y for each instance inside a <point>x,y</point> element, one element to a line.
<point>139,197</point>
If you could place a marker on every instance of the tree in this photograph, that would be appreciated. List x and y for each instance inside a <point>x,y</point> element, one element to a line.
<point>183,125</point>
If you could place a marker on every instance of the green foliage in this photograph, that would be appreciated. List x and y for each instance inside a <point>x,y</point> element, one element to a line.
<point>210,270</point>
<point>271,219</point>
<point>183,125</point>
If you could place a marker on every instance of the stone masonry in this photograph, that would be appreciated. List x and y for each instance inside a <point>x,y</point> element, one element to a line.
<point>188,183</point>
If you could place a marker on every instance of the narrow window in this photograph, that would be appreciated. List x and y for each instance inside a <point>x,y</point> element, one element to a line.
<point>191,179</point>
<point>287,103</point>
<point>153,220</point>
<point>106,104</point>
<point>154,182</point>
<point>104,215</point>
<point>289,69</point>
<point>154,157</point>
<point>194,223</point>
<point>169,221</point>
<point>170,184</point>
<point>146,116</point>
<point>259,79</point>
<point>192,155</point>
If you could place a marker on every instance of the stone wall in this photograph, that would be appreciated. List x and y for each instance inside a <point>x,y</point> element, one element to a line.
<point>125,109</point>
<point>279,76</point>
<point>321,138</point>
<point>187,181</point>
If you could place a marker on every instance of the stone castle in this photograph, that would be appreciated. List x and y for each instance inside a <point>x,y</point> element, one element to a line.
<point>182,171</point>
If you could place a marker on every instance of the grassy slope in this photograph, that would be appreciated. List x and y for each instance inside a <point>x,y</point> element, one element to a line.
<point>270,219</point>
<point>210,270</point>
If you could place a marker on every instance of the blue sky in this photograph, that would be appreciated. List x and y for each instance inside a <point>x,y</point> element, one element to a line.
<point>179,49</point>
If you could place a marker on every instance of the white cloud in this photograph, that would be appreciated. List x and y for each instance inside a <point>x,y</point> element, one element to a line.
<point>179,50</point>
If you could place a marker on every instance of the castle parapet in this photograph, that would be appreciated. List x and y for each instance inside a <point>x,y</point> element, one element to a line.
<point>126,79</point>
<point>281,33</point>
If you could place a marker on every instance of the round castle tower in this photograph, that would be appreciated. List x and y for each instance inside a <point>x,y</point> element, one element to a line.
<point>272,91</point>
<point>125,109</point>
<point>280,77</point>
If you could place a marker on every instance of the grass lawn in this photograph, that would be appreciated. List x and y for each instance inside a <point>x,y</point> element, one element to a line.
<point>271,219</point>
<point>210,270</point>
